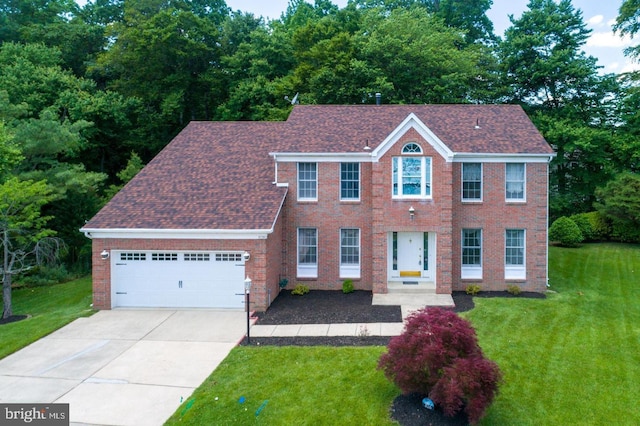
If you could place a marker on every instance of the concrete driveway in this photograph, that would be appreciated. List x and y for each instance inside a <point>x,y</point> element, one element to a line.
<point>122,367</point>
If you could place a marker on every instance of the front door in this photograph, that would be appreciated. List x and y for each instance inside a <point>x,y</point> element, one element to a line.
<point>411,255</point>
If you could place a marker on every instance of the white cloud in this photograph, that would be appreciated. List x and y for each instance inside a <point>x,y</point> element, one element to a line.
<point>609,39</point>
<point>595,20</point>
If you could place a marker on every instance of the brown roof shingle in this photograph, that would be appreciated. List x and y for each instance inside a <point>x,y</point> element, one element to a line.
<point>218,175</point>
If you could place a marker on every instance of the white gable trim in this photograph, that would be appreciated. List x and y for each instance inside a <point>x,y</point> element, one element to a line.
<point>413,122</point>
<point>179,234</point>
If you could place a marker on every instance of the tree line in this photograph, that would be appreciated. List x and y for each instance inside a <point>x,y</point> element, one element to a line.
<point>88,94</point>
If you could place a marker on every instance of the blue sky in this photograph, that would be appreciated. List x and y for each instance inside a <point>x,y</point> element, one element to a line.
<point>598,14</point>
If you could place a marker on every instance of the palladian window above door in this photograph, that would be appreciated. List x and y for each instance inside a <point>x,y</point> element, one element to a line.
<point>411,173</point>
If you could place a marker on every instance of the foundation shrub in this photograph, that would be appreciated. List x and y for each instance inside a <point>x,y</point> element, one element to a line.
<point>438,355</point>
<point>300,290</point>
<point>566,232</point>
<point>347,286</point>
<point>473,289</point>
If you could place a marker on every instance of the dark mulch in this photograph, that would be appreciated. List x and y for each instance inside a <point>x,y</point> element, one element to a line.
<point>326,307</point>
<point>13,318</point>
<point>408,411</point>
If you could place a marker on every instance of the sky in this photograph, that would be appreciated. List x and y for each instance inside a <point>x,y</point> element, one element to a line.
<point>599,15</point>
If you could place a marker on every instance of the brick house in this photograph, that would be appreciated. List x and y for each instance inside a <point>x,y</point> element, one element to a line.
<point>430,198</point>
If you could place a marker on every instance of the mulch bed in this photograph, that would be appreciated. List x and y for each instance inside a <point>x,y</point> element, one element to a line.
<point>326,307</point>
<point>13,318</point>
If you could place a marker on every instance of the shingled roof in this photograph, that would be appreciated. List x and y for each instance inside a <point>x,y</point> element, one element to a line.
<point>219,175</point>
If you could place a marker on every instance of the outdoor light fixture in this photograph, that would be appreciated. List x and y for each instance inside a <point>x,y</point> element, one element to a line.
<point>412,212</point>
<point>104,255</point>
<point>246,256</point>
<point>247,289</point>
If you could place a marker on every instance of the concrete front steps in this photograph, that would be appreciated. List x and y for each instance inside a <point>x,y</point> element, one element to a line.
<point>412,297</point>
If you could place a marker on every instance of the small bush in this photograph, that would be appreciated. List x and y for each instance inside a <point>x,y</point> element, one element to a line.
<point>473,289</point>
<point>566,232</point>
<point>438,355</point>
<point>514,289</point>
<point>300,290</point>
<point>347,286</point>
<point>584,224</point>
<point>45,275</point>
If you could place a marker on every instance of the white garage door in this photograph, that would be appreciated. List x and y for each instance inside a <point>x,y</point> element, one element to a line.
<point>177,279</point>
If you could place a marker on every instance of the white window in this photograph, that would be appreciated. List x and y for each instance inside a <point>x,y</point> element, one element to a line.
<point>411,174</point>
<point>514,259</point>
<point>350,181</point>
<point>164,257</point>
<point>515,182</point>
<point>133,256</point>
<point>350,253</point>
<point>471,181</point>
<point>307,252</point>
<point>307,181</point>
<point>471,254</point>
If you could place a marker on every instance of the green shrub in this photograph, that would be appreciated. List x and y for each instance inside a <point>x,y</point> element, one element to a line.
<point>565,232</point>
<point>584,224</point>
<point>45,275</point>
<point>347,286</point>
<point>514,289</point>
<point>300,290</point>
<point>473,289</point>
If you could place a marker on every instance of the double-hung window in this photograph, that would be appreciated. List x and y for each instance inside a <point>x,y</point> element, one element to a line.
<point>350,253</point>
<point>514,259</point>
<point>411,173</point>
<point>471,181</point>
<point>471,254</point>
<point>350,181</point>
<point>515,182</point>
<point>307,253</point>
<point>307,181</point>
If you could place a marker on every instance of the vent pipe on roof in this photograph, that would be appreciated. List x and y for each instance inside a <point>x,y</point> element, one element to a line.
<point>378,98</point>
<point>477,123</point>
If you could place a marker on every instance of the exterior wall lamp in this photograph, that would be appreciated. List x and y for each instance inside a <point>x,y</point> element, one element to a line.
<point>104,255</point>
<point>412,212</point>
<point>246,256</point>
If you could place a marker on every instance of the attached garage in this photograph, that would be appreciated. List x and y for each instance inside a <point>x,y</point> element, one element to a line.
<point>177,279</point>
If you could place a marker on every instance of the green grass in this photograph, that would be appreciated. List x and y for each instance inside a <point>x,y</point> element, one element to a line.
<point>49,307</point>
<point>294,386</point>
<point>572,358</point>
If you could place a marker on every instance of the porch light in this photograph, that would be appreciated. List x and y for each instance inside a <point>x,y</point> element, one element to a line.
<point>104,255</point>
<point>247,289</point>
<point>246,256</point>
<point>412,212</point>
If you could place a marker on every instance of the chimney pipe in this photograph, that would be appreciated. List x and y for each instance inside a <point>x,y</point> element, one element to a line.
<point>378,98</point>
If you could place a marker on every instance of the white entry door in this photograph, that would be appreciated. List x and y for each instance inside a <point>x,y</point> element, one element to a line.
<point>412,255</point>
<point>177,279</point>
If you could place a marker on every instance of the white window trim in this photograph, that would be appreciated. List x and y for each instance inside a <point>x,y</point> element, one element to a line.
<point>423,178</point>
<point>472,200</point>
<point>516,272</point>
<point>351,270</point>
<point>524,185</point>
<point>306,270</point>
<point>298,182</point>
<point>359,182</point>
<point>468,272</point>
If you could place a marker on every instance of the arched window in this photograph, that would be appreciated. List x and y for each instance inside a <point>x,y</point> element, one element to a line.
<point>411,174</point>
<point>412,148</point>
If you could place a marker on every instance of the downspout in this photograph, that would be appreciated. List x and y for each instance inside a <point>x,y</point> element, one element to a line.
<point>275,166</point>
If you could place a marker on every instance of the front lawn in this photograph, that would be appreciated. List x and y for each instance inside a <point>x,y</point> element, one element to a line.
<point>572,358</point>
<point>49,308</point>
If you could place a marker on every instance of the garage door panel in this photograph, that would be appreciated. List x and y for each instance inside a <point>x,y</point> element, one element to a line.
<point>178,279</point>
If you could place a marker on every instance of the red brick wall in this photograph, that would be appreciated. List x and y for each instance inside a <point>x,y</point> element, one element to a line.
<point>494,215</point>
<point>263,274</point>
<point>432,215</point>
<point>328,215</point>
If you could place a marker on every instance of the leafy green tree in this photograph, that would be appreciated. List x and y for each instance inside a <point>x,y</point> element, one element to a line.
<point>619,202</point>
<point>22,231</point>
<point>628,24</point>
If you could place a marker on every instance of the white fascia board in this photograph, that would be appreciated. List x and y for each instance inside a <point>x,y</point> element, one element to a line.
<point>178,234</point>
<point>321,157</point>
<point>412,121</point>
<point>502,158</point>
